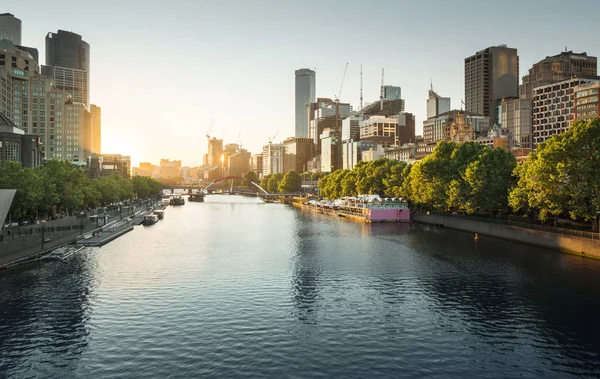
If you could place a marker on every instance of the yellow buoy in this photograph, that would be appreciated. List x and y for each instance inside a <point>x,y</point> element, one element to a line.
<point>476,237</point>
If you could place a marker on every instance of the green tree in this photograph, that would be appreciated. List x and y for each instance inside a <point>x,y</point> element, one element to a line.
<point>264,182</point>
<point>562,175</point>
<point>273,183</point>
<point>251,175</point>
<point>291,182</point>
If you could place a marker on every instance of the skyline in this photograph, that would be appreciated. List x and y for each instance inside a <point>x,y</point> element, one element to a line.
<point>207,63</point>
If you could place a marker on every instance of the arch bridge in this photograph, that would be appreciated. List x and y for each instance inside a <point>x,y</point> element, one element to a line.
<point>231,188</point>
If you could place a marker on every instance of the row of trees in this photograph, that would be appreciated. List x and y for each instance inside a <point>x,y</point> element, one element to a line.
<point>59,186</point>
<point>561,177</point>
<point>279,183</point>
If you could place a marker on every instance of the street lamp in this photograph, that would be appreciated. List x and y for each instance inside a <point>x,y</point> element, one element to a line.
<point>43,239</point>
<point>81,215</point>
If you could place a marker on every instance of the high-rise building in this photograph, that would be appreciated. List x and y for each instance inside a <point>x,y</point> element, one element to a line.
<point>35,104</point>
<point>17,146</point>
<point>436,104</point>
<point>490,75</point>
<point>273,156</point>
<point>556,68</point>
<point>305,95</point>
<point>351,128</point>
<point>170,169</point>
<point>238,164</point>
<point>587,105</point>
<point>554,108</point>
<point>391,92</point>
<point>215,152</point>
<point>68,63</point>
<point>298,151</point>
<point>96,129</point>
<point>256,164</point>
<point>515,119</point>
<point>10,28</point>
<point>330,161</point>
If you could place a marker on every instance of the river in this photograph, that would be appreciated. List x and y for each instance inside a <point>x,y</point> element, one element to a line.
<point>233,287</point>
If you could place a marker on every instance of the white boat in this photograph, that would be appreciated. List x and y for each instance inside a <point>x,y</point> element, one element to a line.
<point>150,219</point>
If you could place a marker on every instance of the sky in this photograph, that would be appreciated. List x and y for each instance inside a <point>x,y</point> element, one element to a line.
<point>163,70</point>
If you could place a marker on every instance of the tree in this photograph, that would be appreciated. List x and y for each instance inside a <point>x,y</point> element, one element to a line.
<point>251,175</point>
<point>561,176</point>
<point>291,182</point>
<point>273,183</point>
<point>264,183</point>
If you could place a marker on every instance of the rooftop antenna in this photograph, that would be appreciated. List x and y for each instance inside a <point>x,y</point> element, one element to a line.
<point>431,83</point>
<point>361,88</point>
<point>381,95</point>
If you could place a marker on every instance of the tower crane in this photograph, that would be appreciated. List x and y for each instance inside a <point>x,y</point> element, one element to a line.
<point>337,98</point>
<point>381,95</point>
<point>361,88</point>
<point>272,138</point>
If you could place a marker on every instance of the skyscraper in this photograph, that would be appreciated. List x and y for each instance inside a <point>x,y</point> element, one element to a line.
<point>68,63</point>
<point>491,74</point>
<point>305,95</point>
<point>391,92</point>
<point>10,28</point>
<point>436,105</point>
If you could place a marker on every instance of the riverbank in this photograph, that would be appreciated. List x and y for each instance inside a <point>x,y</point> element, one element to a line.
<point>392,215</point>
<point>29,246</point>
<point>569,244</point>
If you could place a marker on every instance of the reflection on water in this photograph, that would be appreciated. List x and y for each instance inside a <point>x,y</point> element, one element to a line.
<point>236,287</point>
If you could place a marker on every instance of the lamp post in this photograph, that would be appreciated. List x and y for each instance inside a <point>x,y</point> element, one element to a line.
<point>81,215</point>
<point>43,239</point>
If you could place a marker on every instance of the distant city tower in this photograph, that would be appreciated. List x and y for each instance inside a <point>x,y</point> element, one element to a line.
<point>305,95</point>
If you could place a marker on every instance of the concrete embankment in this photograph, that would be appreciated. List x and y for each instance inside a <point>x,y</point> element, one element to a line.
<point>566,243</point>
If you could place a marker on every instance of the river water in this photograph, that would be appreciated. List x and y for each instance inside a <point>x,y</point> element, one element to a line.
<point>237,288</point>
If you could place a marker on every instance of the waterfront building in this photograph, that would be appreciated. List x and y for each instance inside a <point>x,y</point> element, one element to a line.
<point>515,120</point>
<point>95,135</point>
<point>10,28</point>
<point>238,163</point>
<point>330,161</point>
<point>405,129</point>
<point>404,153</point>
<point>68,63</point>
<point>73,130</point>
<point>556,68</point>
<point>554,108</point>
<point>256,164</point>
<point>17,146</point>
<point>105,165</point>
<point>490,75</point>
<point>147,169</point>
<point>436,104</point>
<point>305,95</point>
<point>587,105</point>
<point>273,156</point>
<point>170,169</point>
<point>298,151</point>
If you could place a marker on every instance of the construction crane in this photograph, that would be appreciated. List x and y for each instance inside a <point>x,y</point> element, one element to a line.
<point>273,138</point>
<point>339,94</point>
<point>381,95</point>
<point>209,128</point>
<point>361,88</point>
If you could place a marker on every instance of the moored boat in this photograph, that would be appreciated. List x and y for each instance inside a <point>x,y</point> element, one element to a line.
<point>150,219</point>
<point>177,200</point>
<point>196,197</point>
<point>159,213</point>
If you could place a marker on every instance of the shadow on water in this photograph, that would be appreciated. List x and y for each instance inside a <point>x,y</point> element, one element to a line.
<point>494,285</point>
<point>44,311</point>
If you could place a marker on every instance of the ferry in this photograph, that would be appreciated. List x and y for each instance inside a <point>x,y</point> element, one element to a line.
<point>150,219</point>
<point>367,208</point>
<point>196,197</point>
<point>177,200</point>
<point>159,213</point>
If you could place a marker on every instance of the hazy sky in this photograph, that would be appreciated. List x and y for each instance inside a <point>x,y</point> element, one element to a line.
<point>161,70</point>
